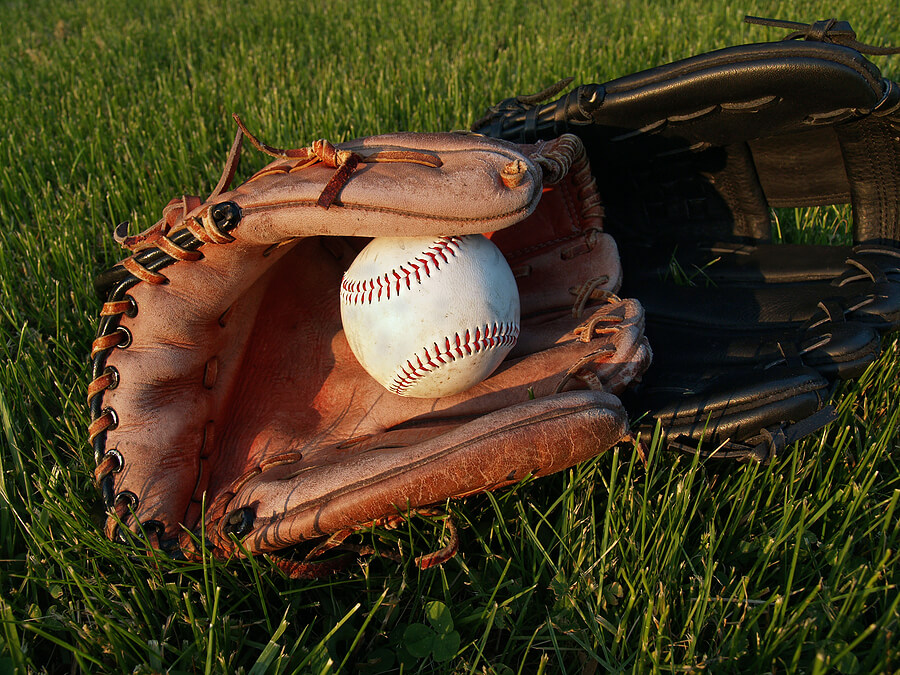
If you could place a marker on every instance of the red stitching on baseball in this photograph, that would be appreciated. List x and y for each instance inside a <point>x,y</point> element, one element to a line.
<point>367,291</point>
<point>486,337</point>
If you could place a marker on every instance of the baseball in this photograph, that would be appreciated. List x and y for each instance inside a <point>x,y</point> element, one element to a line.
<point>430,316</point>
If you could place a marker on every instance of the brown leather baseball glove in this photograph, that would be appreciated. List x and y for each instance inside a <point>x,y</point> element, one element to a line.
<point>225,399</point>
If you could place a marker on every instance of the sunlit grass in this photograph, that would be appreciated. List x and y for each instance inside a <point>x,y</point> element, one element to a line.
<point>109,109</point>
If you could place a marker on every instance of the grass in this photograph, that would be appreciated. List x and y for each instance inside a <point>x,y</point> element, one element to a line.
<point>110,108</point>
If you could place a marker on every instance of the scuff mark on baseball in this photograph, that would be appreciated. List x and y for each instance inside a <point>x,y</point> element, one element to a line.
<point>430,316</point>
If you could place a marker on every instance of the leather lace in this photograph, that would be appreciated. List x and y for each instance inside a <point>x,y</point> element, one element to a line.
<point>828,30</point>
<point>344,162</point>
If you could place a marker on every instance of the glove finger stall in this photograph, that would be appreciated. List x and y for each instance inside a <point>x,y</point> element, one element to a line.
<point>742,285</point>
<point>733,408</point>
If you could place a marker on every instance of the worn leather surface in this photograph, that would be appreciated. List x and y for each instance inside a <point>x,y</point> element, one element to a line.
<point>237,391</point>
<point>464,195</point>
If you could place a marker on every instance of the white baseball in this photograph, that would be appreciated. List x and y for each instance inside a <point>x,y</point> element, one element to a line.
<point>430,316</point>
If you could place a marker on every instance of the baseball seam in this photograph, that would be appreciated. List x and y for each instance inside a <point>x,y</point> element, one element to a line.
<point>457,346</point>
<point>368,291</point>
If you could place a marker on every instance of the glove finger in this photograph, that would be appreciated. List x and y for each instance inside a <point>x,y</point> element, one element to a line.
<point>741,286</point>
<point>613,354</point>
<point>696,411</point>
<point>715,384</point>
<point>791,306</point>
<point>559,254</point>
<point>841,350</point>
<point>725,264</point>
<point>712,387</point>
<point>290,502</point>
<point>440,184</point>
<point>700,148</point>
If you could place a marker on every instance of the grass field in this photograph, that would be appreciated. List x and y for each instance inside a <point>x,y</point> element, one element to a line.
<point>108,109</point>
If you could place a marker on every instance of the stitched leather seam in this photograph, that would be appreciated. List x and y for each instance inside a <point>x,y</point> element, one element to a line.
<point>457,346</point>
<point>368,291</point>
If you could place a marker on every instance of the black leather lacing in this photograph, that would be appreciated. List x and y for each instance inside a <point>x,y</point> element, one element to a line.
<point>827,30</point>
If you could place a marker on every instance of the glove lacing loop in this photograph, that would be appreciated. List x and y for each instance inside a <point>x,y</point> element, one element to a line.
<point>128,307</point>
<point>566,156</point>
<point>580,371</point>
<point>112,462</point>
<point>590,290</point>
<point>600,324</point>
<point>597,324</point>
<point>108,419</point>
<point>123,504</point>
<point>558,156</point>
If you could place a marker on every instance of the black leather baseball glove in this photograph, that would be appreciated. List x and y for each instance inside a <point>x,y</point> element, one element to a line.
<point>691,158</point>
